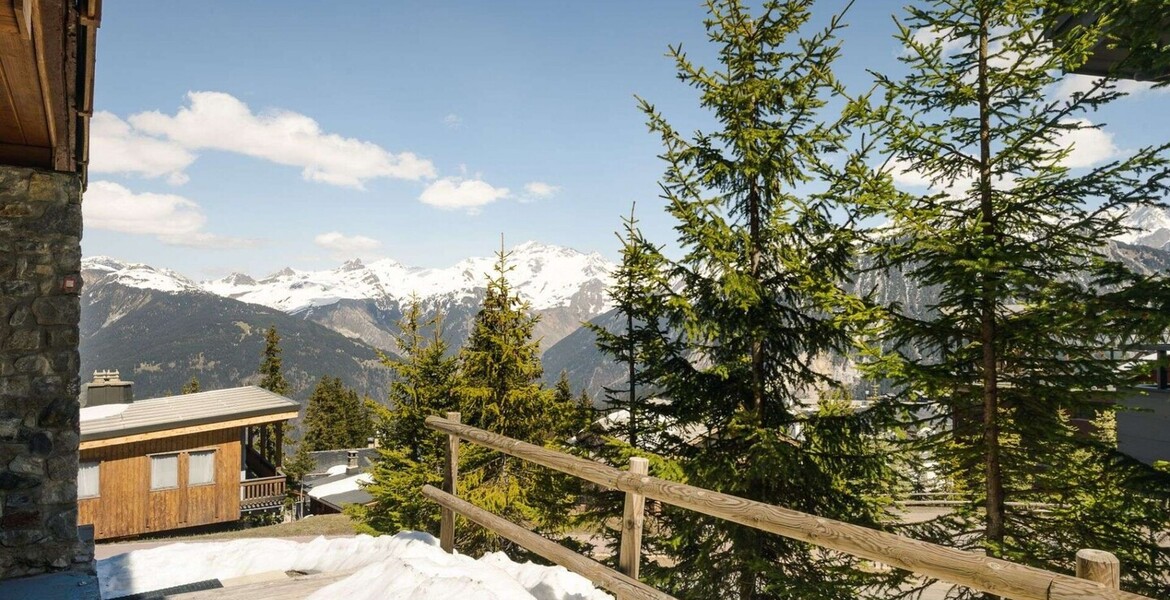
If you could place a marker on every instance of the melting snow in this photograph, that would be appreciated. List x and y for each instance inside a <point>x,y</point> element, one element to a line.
<point>349,484</point>
<point>407,565</point>
<point>93,413</point>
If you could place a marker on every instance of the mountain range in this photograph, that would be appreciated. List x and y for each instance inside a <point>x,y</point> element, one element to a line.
<point>160,328</point>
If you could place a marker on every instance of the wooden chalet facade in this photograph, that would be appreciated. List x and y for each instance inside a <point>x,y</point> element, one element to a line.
<point>180,461</point>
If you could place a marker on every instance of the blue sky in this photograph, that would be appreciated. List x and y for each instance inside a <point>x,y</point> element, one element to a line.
<point>419,131</point>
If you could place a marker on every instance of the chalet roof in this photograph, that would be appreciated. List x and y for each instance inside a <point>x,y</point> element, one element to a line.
<point>184,411</point>
<point>323,460</point>
<point>339,490</point>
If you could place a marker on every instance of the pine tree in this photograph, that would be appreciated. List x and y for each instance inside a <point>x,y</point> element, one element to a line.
<point>192,386</point>
<point>635,291</point>
<point>1013,233</point>
<point>411,455</point>
<point>499,390</point>
<point>271,374</point>
<point>336,418</point>
<point>272,379</point>
<point>758,296</point>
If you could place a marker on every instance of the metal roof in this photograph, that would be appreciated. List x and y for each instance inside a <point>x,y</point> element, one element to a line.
<point>187,410</point>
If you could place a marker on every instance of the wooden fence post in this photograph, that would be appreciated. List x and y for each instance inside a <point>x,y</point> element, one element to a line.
<point>1100,566</point>
<point>450,485</point>
<point>630,556</point>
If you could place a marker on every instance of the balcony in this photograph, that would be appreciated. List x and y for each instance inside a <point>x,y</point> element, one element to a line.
<point>265,493</point>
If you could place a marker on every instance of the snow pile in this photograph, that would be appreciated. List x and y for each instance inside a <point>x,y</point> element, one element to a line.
<point>407,565</point>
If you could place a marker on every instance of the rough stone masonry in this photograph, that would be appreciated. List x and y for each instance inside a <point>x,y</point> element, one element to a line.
<point>40,261</point>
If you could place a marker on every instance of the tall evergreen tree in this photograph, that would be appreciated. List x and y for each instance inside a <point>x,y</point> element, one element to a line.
<point>636,291</point>
<point>337,417</point>
<point>1013,233</point>
<point>271,373</point>
<point>411,455</point>
<point>499,390</point>
<point>272,379</point>
<point>755,298</point>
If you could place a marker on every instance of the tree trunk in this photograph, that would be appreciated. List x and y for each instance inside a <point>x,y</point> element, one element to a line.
<point>990,290</point>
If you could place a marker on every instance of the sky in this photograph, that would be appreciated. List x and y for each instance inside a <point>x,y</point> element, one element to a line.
<point>245,137</point>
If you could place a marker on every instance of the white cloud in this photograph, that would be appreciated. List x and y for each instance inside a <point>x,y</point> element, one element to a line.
<point>1089,145</point>
<point>453,121</point>
<point>929,35</point>
<point>115,147</point>
<point>905,175</point>
<point>220,121</point>
<point>344,246</point>
<point>540,190</point>
<point>1084,84</point>
<point>453,193</point>
<point>173,219</point>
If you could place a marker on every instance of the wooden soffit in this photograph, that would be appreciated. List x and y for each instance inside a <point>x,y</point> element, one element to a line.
<point>46,82</point>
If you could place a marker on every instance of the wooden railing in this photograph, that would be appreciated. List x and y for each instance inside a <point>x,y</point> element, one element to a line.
<point>263,492</point>
<point>1098,572</point>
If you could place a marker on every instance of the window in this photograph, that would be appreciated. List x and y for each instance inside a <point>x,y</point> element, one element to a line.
<point>164,471</point>
<point>88,480</point>
<point>201,467</point>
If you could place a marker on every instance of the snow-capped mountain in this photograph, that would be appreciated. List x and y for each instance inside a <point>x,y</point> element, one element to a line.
<point>135,275</point>
<point>546,276</point>
<point>1149,226</point>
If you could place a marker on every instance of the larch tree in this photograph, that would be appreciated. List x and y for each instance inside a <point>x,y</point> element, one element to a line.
<point>756,300</point>
<point>1014,234</point>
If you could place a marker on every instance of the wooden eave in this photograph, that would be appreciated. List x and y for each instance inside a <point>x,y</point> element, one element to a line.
<point>46,82</point>
<point>185,430</point>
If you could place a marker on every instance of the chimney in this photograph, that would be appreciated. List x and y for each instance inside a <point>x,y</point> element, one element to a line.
<point>351,460</point>
<point>371,442</point>
<point>108,388</point>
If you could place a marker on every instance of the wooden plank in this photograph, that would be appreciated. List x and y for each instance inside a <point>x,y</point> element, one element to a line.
<point>25,156</point>
<point>22,87</point>
<point>969,569</point>
<point>602,576</point>
<point>48,44</point>
<point>451,486</point>
<point>630,554</point>
<point>165,433</point>
<point>24,14</point>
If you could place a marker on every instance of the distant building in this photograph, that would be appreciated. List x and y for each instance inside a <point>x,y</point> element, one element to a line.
<point>338,480</point>
<point>178,461</point>
<point>1143,431</point>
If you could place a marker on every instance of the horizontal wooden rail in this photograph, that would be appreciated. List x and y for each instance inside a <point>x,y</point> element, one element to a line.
<point>252,489</point>
<point>601,575</point>
<point>961,567</point>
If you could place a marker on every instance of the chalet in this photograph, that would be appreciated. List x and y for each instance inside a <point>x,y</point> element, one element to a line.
<point>177,461</point>
<point>338,479</point>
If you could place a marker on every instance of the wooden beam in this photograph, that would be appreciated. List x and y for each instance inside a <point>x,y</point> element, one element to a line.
<point>25,156</point>
<point>24,15</point>
<point>969,569</point>
<point>164,433</point>
<point>1100,566</point>
<point>451,486</point>
<point>599,574</point>
<point>630,555</point>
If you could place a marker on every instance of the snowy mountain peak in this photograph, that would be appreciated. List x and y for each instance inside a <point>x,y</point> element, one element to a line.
<point>1149,226</point>
<point>137,275</point>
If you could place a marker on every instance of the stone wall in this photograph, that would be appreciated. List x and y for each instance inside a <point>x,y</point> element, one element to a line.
<point>40,255</point>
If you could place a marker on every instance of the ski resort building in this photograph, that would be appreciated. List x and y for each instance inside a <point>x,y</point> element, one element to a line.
<point>177,461</point>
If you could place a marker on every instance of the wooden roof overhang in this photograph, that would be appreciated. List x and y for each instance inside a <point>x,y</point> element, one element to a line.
<point>131,436</point>
<point>1136,47</point>
<point>46,82</point>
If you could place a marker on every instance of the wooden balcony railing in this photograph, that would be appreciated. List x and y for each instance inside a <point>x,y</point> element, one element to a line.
<point>266,492</point>
<point>1098,572</point>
